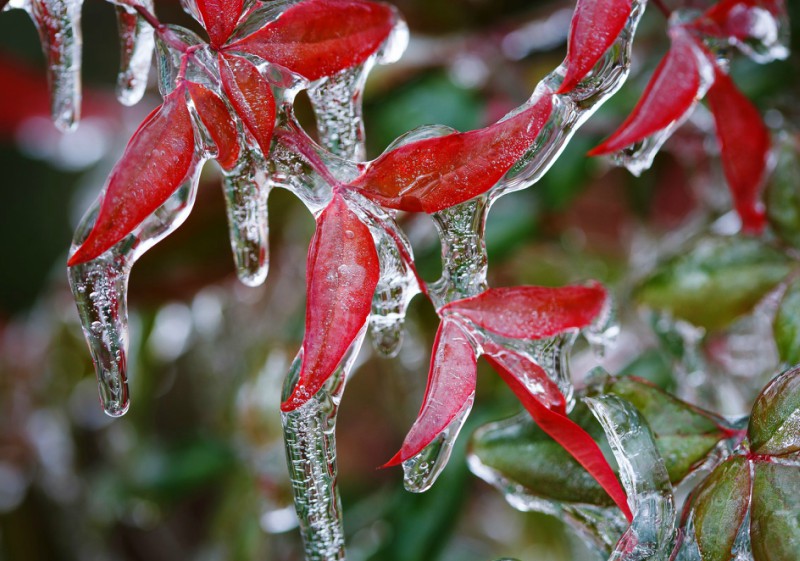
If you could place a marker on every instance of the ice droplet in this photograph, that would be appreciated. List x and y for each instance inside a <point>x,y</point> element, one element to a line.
<point>137,44</point>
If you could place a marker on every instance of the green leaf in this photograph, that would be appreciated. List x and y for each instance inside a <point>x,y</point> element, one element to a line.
<point>715,281</point>
<point>775,515</point>
<point>775,422</point>
<point>720,504</point>
<point>783,197</point>
<point>685,434</point>
<point>786,326</point>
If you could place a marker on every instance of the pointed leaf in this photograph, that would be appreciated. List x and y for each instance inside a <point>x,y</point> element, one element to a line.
<point>217,119</point>
<point>451,384</point>
<point>532,312</point>
<point>745,145</point>
<point>735,18</point>
<point>720,504</point>
<point>571,436</point>
<point>595,27</point>
<point>251,97</point>
<point>319,38</point>
<point>437,173</point>
<point>157,160</point>
<point>672,92</point>
<point>219,18</point>
<point>775,513</point>
<point>343,272</point>
<point>775,422</point>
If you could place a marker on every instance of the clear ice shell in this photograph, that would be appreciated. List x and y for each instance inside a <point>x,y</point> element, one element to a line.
<point>644,477</point>
<point>309,434</point>
<point>137,43</point>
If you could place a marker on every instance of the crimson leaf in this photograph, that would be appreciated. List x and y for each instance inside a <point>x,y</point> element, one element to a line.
<point>319,38</point>
<point>251,97</point>
<point>436,173</point>
<point>744,144</point>
<point>669,95</point>
<point>217,120</point>
<point>451,384</point>
<point>532,312</point>
<point>157,160</point>
<point>219,18</point>
<point>735,18</point>
<point>595,27</point>
<point>343,272</point>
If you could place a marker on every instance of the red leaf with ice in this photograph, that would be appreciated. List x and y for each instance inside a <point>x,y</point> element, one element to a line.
<point>532,312</point>
<point>437,173</point>
<point>451,384</point>
<point>736,18</point>
<point>595,27</point>
<point>670,94</point>
<point>343,272</point>
<point>157,160</point>
<point>319,38</point>
<point>744,145</point>
<point>219,18</point>
<point>571,436</point>
<point>251,97</point>
<point>217,119</point>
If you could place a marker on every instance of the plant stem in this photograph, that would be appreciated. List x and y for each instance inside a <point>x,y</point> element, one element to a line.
<point>662,8</point>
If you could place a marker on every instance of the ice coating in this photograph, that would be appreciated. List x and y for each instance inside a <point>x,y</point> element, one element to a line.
<point>137,43</point>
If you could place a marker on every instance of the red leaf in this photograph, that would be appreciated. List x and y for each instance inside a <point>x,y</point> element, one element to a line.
<point>342,274</point>
<point>451,383</point>
<point>251,96</point>
<point>437,173</point>
<point>217,120</point>
<point>595,27</point>
<point>319,38</point>
<point>669,95</point>
<point>157,160</point>
<point>571,436</point>
<point>219,18</point>
<point>531,312</point>
<point>735,18</point>
<point>744,144</point>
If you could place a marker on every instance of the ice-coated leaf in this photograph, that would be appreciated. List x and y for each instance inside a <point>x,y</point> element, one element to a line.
<point>251,97</point>
<point>451,383</point>
<point>719,506</point>
<point>671,92</point>
<point>595,27</point>
<point>735,18</point>
<point>745,146</point>
<point>786,326</point>
<point>532,312</point>
<point>783,197</point>
<point>317,38</point>
<point>685,434</point>
<point>219,18</point>
<point>575,440</point>
<point>437,173</point>
<point>157,160</point>
<point>775,421</point>
<point>218,122</point>
<point>137,43</point>
<point>714,281</point>
<point>775,513</point>
<point>342,270</point>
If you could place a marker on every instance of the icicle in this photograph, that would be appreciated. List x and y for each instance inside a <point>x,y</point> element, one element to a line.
<point>100,288</point>
<point>310,439</point>
<point>136,52</point>
<point>644,477</point>
<point>246,190</point>
<point>337,106</point>
<point>59,26</point>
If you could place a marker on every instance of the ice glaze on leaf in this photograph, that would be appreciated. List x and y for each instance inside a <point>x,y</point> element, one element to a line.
<point>451,383</point>
<point>571,436</point>
<point>219,18</point>
<point>436,173</point>
<point>595,27</point>
<point>720,504</point>
<point>343,272</point>
<point>317,38</point>
<point>251,97</point>
<point>775,513</point>
<point>671,92</point>
<point>217,119</point>
<point>734,18</point>
<point>532,312</point>
<point>745,145</point>
<point>155,163</point>
<point>775,421</point>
